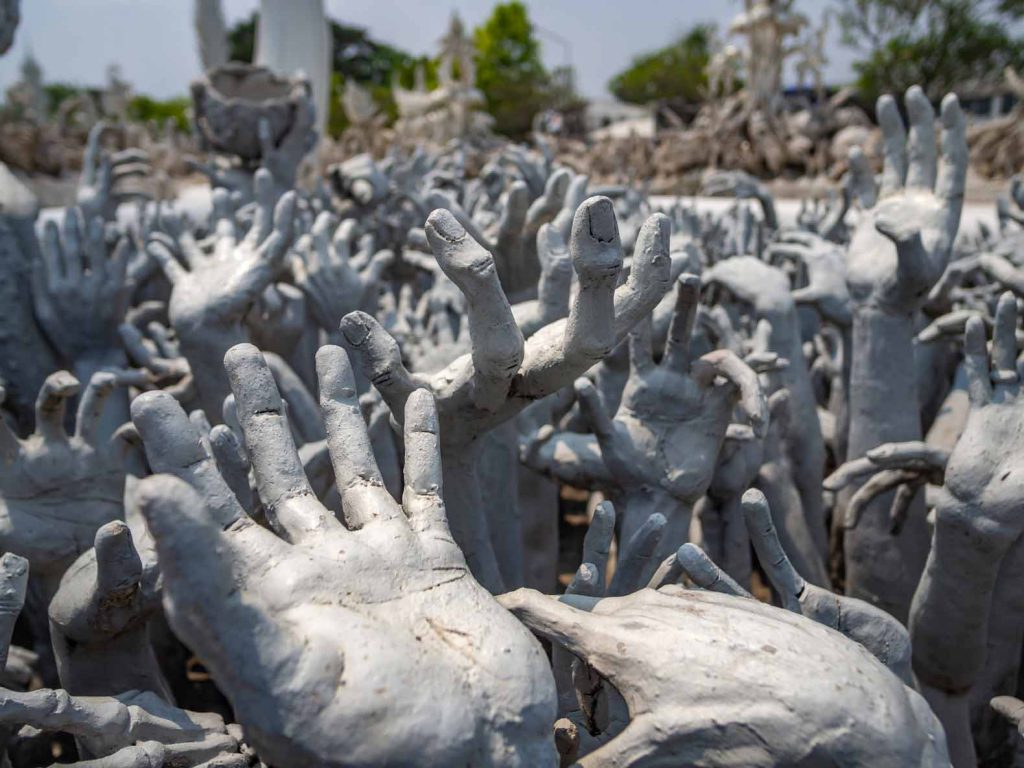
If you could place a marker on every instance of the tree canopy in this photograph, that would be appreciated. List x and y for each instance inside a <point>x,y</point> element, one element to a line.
<point>674,73</point>
<point>509,71</point>
<point>939,44</point>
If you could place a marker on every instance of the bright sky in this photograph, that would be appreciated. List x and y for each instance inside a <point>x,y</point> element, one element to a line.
<point>152,40</point>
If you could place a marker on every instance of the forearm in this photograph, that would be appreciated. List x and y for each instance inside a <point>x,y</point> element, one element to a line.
<point>883,384</point>
<point>466,518</point>
<point>205,354</point>
<point>950,612</point>
<point>771,220</point>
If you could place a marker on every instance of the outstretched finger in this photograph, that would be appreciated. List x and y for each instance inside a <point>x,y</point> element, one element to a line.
<point>641,348</point>
<point>635,566</point>
<point>677,346</point>
<point>953,161</point>
<point>650,275</point>
<point>578,631</point>
<point>597,543</point>
<point>913,454</point>
<point>233,464</point>
<point>291,505</point>
<point>783,576</point>
<point>364,499</point>
<point>13,585</point>
<point>497,341</point>
<point>51,405</point>
<point>921,148</point>
<point>592,405</point>
<point>1004,341</point>
<point>876,485</point>
<point>90,407</point>
<point>979,382</point>
<point>266,199</point>
<point>422,498</point>
<point>596,252</point>
<point>162,252</point>
<point>118,565</point>
<point>378,356</point>
<point>703,572</point>
<point>260,272</point>
<point>174,445</point>
<point>894,142</point>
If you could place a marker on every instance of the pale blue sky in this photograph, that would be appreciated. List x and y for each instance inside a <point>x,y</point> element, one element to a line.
<point>152,40</point>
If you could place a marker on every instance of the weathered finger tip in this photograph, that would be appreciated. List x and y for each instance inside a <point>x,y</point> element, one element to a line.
<point>62,383</point>
<point>356,327</point>
<point>974,335</point>
<point>596,219</point>
<point>240,356</point>
<point>421,412</point>
<point>754,501</point>
<point>13,566</point>
<point>583,386</point>
<point>443,224</point>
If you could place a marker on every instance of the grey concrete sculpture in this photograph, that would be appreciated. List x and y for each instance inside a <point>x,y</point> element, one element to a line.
<point>335,612</point>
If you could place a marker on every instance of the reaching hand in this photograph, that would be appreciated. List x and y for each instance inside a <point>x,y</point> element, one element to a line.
<point>666,649</point>
<point>80,293</point>
<point>900,247</point>
<point>56,489</point>
<point>212,292</point>
<point>329,638</point>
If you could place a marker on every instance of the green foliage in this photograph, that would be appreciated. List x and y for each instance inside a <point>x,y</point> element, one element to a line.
<point>242,40</point>
<point>675,72</point>
<point>59,92</point>
<point>939,44</point>
<point>145,109</point>
<point>509,71</point>
<point>354,55</point>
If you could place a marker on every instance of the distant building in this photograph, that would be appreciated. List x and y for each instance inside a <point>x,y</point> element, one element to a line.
<point>986,100</point>
<point>609,118</point>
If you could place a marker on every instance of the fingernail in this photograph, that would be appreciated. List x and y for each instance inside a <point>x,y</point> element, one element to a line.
<point>446,225</point>
<point>355,329</point>
<point>601,216</point>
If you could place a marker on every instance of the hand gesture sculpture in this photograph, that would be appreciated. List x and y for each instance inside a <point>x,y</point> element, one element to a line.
<point>751,283</point>
<point>332,284</point>
<point>899,250</point>
<point>98,620</point>
<point>502,374</point>
<point>666,649</point>
<point>331,639</point>
<point>80,293</point>
<point>57,489</point>
<point>100,188</point>
<point>212,292</point>
<point>675,413</point>
<point>131,730</point>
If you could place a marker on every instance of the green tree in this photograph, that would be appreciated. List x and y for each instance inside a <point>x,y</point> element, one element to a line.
<point>675,73</point>
<point>509,71</point>
<point>145,109</point>
<point>939,44</point>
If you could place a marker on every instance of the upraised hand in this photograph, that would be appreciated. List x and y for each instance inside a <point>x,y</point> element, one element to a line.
<point>902,245</point>
<point>503,374</point>
<point>372,619</point>
<point>212,291</point>
<point>57,489</point>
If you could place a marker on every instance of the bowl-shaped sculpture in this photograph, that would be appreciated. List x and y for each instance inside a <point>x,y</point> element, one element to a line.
<point>230,101</point>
